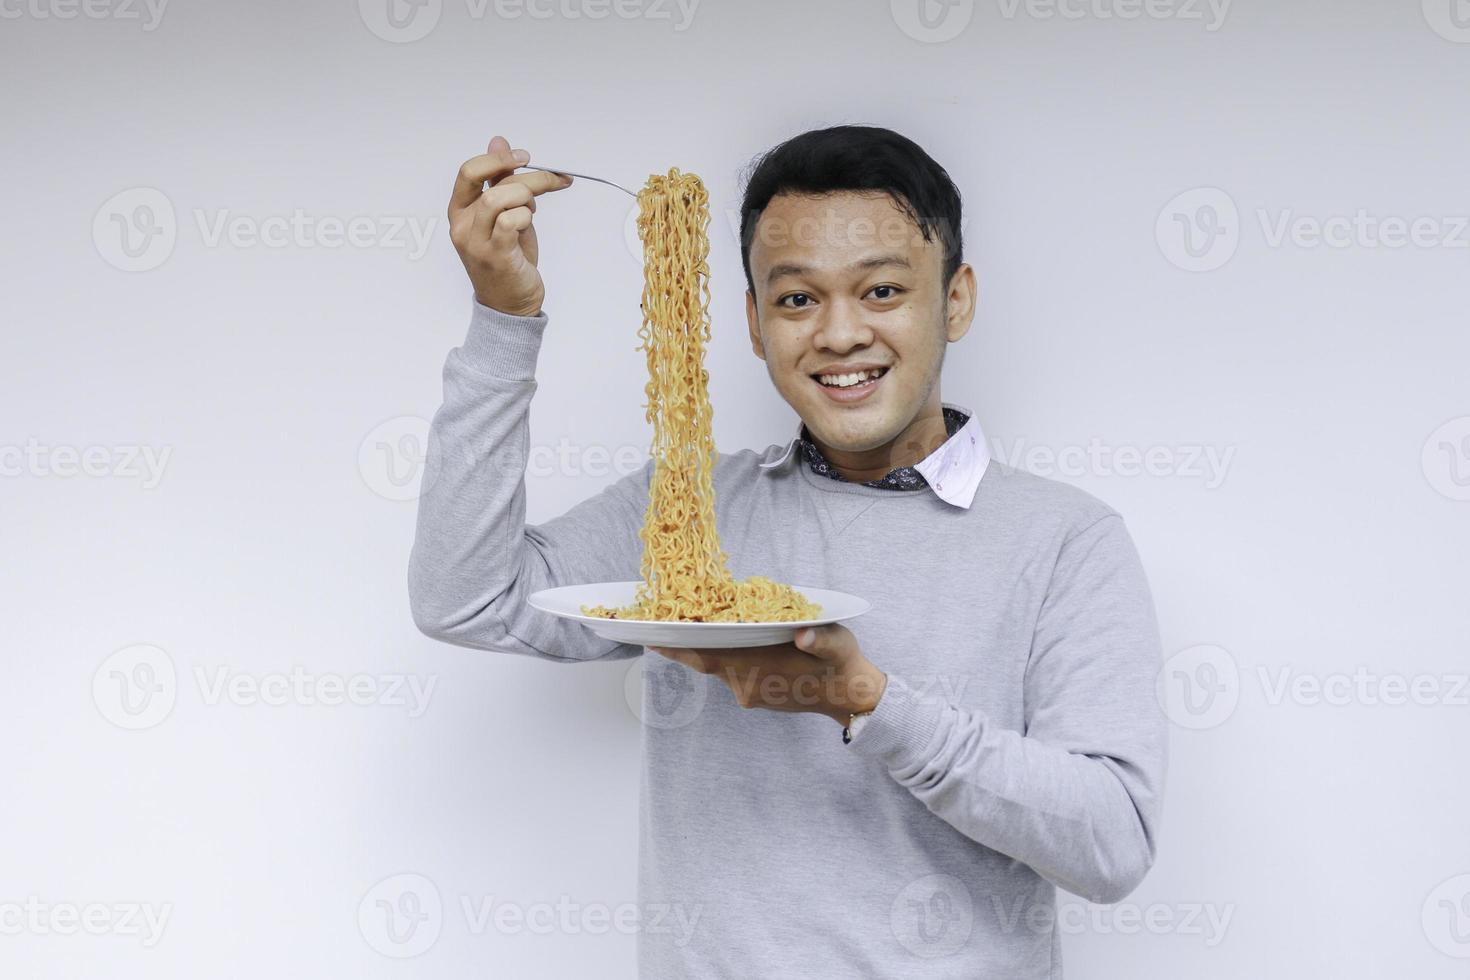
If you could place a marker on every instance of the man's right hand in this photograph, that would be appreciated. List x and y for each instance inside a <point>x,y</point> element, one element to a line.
<point>491,229</point>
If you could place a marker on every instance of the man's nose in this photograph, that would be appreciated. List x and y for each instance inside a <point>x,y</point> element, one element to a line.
<point>842,328</point>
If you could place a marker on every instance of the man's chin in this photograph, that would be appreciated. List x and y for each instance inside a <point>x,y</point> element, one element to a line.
<point>852,437</point>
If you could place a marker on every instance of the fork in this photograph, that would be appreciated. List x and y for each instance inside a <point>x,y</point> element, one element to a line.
<point>553,170</point>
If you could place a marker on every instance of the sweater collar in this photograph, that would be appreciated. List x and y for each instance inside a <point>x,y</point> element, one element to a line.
<point>952,471</point>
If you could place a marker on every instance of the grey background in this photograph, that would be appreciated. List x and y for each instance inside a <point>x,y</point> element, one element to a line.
<point>289,386</point>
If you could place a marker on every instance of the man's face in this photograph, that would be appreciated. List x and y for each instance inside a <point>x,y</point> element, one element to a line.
<point>846,280</point>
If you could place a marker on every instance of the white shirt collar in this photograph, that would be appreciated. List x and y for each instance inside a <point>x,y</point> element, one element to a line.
<point>953,471</point>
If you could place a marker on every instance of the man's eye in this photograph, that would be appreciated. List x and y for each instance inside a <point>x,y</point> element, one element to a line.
<point>892,291</point>
<point>793,305</point>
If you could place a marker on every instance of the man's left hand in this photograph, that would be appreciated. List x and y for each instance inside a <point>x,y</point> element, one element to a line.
<point>823,671</point>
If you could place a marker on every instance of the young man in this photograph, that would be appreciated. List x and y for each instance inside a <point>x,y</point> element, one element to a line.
<point>997,730</point>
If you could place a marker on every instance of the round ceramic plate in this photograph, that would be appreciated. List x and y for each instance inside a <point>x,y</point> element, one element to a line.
<point>567,602</point>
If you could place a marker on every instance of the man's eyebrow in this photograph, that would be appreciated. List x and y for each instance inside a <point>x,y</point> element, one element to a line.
<point>861,265</point>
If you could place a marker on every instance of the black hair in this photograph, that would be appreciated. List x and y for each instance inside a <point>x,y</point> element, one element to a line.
<point>857,158</point>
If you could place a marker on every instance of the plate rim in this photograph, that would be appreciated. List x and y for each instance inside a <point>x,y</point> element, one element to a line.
<point>679,623</point>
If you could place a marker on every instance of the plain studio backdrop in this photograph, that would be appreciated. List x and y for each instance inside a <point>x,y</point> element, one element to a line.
<point>1224,268</point>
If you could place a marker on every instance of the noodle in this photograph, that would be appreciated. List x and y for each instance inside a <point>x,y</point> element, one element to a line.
<point>685,575</point>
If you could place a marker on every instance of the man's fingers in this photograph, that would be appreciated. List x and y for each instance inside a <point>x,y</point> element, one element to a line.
<point>508,227</point>
<point>518,191</point>
<point>494,203</point>
<point>828,642</point>
<point>685,656</point>
<point>539,181</point>
<point>473,173</point>
<point>498,168</point>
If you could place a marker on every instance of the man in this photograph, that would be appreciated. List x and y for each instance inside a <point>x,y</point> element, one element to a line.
<point>997,734</point>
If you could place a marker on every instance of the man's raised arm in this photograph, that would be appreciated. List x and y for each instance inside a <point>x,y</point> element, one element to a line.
<point>475,560</point>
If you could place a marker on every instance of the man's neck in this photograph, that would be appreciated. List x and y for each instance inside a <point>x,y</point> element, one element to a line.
<point>913,445</point>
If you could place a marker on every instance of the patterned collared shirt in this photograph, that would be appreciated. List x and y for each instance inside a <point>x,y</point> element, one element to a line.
<point>953,470</point>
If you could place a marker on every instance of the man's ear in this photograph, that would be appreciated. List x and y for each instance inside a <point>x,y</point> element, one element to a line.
<point>753,321</point>
<point>960,303</point>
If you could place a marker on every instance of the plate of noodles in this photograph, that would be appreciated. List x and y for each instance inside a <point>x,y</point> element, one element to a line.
<point>601,607</point>
<point>687,595</point>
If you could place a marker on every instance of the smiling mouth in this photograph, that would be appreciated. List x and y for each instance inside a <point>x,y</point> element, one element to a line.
<point>868,378</point>
<point>857,392</point>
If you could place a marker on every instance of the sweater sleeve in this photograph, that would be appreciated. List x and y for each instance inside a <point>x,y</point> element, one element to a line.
<point>1078,794</point>
<point>474,560</point>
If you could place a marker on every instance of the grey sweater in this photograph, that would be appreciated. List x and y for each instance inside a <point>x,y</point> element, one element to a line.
<point>1017,748</point>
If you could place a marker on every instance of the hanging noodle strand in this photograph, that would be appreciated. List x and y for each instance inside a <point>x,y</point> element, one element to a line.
<point>685,572</point>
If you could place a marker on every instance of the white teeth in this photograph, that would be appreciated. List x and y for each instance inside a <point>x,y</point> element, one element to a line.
<point>847,380</point>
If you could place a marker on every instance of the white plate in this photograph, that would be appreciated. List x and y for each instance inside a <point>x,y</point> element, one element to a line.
<point>568,600</point>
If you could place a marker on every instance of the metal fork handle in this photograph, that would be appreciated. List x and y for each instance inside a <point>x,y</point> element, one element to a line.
<point>553,170</point>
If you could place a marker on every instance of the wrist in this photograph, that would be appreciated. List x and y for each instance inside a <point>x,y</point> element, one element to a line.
<point>857,719</point>
<point>509,309</point>
<point>877,684</point>
<point>864,693</point>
